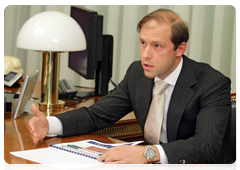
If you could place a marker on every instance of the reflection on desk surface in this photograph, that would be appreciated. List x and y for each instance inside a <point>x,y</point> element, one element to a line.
<point>17,138</point>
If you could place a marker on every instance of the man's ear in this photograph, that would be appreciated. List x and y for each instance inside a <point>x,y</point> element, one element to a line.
<point>181,49</point>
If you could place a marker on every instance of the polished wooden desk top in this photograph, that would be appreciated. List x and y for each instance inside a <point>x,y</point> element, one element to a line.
<point>18,138</point>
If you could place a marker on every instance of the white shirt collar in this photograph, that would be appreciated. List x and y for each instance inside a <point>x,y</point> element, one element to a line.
<point>172,78</point>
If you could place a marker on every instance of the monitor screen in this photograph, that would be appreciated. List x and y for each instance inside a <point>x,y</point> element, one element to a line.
<point>84,62</point>
<point>96,61</point>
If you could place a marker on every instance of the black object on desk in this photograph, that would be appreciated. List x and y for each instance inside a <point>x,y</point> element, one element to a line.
<point>8,97</point>
<point>10,80</point>
<point>66,89</point>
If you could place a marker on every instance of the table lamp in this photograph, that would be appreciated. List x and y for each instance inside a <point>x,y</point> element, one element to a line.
<point>51,33</point>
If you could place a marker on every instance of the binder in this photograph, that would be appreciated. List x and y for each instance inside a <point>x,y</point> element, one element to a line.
<point>61,155</point>
<point>92,150</point>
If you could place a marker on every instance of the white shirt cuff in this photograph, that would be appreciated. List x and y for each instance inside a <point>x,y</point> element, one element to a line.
<point>163,156</point>
<point>55,126</point>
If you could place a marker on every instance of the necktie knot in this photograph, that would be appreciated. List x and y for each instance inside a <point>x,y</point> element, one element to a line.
<point>161,86</point>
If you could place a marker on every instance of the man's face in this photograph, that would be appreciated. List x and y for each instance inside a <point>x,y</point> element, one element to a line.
<point>157,50</point>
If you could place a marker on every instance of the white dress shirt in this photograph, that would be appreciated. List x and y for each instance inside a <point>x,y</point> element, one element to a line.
<point>55,125</point>
<point>171,80</point>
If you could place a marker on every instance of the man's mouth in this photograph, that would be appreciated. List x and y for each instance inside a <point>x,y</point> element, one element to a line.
<point>147,65</point>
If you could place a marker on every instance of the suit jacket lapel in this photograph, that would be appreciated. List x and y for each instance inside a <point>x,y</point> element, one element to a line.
<point>144,98</point>
<point>181,96</point>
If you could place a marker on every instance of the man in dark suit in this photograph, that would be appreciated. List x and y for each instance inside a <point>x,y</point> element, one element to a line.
<point>197,102</point>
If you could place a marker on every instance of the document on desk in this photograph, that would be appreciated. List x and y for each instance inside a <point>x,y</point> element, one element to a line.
<point>69,155</point>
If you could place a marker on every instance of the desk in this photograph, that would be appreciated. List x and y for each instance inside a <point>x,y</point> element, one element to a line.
<point>126,129</point>
<point>17,138</point>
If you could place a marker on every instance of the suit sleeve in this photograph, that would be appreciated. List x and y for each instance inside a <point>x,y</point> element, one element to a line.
<point>102,114</point>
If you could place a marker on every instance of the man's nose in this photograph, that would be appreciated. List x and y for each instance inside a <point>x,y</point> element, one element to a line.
<point>147,52</point>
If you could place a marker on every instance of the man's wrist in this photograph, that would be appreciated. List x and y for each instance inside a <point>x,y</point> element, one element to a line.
<point>163,157</point>
<point>55,126</point>
<point>158,158</point>
<point>151,154</point>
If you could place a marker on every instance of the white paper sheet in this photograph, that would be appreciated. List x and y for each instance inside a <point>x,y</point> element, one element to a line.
<point>61,159</point>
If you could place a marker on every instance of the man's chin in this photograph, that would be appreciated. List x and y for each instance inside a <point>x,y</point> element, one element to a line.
<point>148,75</point>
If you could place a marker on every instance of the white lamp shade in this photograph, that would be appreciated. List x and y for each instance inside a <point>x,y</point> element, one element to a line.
<point>51,31</point>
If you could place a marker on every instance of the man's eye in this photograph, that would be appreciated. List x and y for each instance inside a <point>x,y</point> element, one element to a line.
<point>157,46</point>
<point>143,43</point>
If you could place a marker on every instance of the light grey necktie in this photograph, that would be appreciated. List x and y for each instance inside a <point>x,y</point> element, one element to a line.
<point>153,125</point>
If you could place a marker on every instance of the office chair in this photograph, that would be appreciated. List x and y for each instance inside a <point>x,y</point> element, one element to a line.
<point>233,130</point>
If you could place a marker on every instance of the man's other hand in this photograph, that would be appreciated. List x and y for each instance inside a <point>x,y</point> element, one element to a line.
<point>38,125</point>
<point>124,154</point>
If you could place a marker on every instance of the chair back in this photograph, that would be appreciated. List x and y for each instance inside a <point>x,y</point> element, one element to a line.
<point>233,129</point>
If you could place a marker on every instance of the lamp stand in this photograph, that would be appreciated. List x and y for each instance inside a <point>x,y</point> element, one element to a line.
<point>50,80</point>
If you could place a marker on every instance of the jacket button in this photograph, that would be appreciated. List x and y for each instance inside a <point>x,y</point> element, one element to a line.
<point>183,161</point>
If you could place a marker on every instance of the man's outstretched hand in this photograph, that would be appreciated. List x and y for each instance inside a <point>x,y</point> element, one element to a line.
<point>38,125</point>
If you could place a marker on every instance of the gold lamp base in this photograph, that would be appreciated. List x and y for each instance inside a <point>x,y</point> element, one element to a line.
<point>49,103</point>
<point>51,109</point>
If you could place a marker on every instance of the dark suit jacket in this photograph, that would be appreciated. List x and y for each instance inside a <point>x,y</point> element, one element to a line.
<point>198,113</point>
